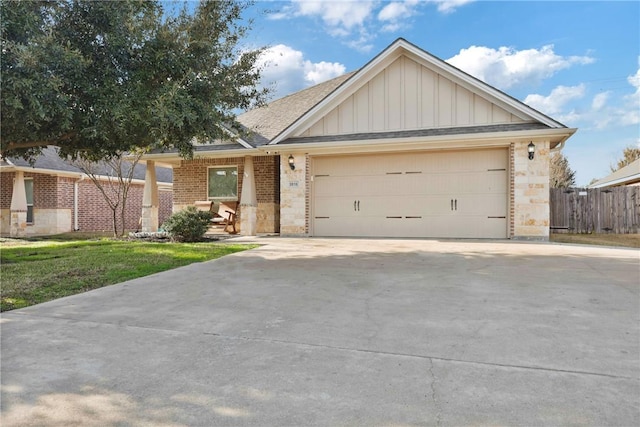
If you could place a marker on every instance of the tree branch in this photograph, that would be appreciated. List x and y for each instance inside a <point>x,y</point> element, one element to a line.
<point>13,145</point>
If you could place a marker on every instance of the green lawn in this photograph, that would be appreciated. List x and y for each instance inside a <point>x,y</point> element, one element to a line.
<point>32,272</point>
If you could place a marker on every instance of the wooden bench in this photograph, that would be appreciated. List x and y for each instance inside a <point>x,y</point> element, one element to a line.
<point>223,214</point>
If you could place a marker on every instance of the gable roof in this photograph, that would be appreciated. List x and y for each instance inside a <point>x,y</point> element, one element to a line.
<point>282,120</point>
<point>397,48</point>
<point>627,175</point>
<point>50,162</point>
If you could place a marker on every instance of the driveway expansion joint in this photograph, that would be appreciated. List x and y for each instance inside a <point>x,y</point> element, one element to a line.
<point>420,356</point>
<point>330,347</point>
<point>433,394</point>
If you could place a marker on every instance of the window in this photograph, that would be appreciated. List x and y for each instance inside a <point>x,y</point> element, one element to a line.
<point>223,183</point>
<point>28,188</point>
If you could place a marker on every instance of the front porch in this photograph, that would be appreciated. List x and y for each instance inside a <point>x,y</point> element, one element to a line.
<point>251,182</point>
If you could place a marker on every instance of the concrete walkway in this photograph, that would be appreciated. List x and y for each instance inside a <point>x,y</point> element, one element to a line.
<point>336,332</point>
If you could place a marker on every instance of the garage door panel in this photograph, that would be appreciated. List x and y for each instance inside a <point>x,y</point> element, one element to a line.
<point>481,205</point>
<point>444,194</point>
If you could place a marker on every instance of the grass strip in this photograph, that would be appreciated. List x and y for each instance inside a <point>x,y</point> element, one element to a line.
<point>42,271</point>
<point>623,240</point>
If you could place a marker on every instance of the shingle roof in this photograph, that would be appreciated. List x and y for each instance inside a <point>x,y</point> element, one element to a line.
<point>624,176</point>
<point>50,160</point>
<point>273,118</point>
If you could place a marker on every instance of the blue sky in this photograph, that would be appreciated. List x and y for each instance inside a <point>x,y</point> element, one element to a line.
<point>575,61</point>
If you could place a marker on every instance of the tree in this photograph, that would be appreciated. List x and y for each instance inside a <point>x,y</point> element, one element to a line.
<point>629,155</point>
<point>561,175</point>
<point>97,78</point>
<point>112,177</point>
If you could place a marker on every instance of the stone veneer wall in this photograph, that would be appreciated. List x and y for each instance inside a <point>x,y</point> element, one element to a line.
<point>190,185</point>
<point>294,191</point>
<point>530,192</point>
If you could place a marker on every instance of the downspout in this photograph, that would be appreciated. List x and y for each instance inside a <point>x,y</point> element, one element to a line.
<point>76,227</point>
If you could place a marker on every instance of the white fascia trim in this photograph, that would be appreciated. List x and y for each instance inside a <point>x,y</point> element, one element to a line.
<point>170,159</point>
<point>634,177</point>
<point>66,174</point>
<point>8,163</point>
<point>473,140</point>
<point>391,53</point>
<point>241,141</point>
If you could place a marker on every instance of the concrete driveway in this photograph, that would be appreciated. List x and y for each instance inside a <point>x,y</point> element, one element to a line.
<point>340,332</point>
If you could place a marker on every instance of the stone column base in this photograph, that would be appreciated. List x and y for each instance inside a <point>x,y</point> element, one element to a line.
<point>248,220</point>
<point>18,226</point>
<point>149,219</point>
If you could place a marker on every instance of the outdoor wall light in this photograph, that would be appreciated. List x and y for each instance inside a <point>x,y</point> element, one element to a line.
<point>292,165</point>
<point>530,148</point>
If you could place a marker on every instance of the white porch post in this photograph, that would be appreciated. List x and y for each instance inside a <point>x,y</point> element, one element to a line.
<point>18,207</point>
<point>248,202</point>
<point>150,203</point>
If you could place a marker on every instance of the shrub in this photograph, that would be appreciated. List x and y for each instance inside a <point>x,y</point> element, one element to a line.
<point>188,225</point>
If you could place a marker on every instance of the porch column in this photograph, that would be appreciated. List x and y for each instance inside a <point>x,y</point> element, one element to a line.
<point>248,202</point>
<point>18,226</point>
<point>150,199</point>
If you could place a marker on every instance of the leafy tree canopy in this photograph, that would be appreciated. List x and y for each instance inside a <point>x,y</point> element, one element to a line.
<point>561,175</point>
<point>97,78</point>
<point>629,155</point>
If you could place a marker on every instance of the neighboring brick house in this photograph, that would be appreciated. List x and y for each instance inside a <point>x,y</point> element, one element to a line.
<point>61,198</point>
<point>406,146</point>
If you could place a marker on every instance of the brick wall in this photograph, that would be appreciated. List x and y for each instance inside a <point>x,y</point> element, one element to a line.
<point>96,215</point>
<point>45,190</point>
<point>6,189</point>
<point>512,199</point>
<point>53,204</point>
<point>190,185</point>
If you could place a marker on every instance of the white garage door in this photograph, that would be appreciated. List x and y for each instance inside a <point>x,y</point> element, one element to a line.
<point>445,194</point>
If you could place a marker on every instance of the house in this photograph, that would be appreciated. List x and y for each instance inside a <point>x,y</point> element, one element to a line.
<point>406,146</point>
<point>628,175</point>
<point>59,197</point>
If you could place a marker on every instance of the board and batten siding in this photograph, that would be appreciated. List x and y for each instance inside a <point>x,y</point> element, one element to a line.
<point>405,96</point>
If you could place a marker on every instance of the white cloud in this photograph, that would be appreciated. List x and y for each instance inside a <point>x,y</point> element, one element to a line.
<point>449,6</point>
<point>506,67</point>
<point>633,100</point>
<point>288,70</point>
<point>341,15</point>
<point>397,10</point>
<point>357,22</point>
<point>393,13</point>
<point>600,100</point>
<point>557,99</point>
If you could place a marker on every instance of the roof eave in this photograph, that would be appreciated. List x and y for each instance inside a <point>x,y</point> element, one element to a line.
<point>173,159</point>
<point>632,179</point>
<point>67,174</point>
<point>469,140</point>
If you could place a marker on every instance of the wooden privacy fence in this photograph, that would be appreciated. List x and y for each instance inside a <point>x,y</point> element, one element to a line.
<point>595,210</point>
